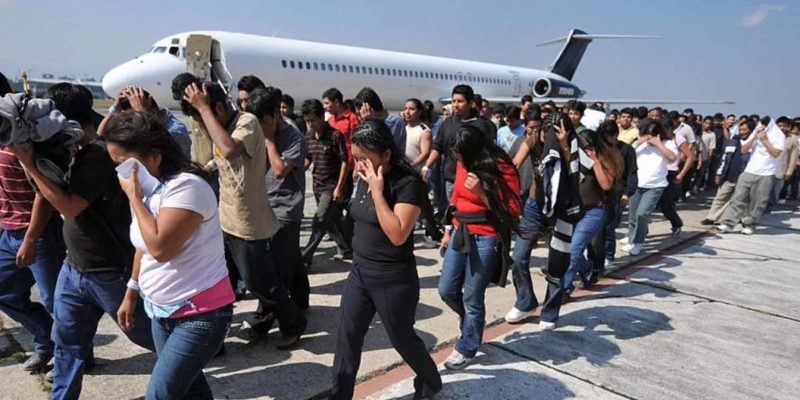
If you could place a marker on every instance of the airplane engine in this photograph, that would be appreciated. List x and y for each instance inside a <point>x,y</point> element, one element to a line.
<point>546,87</point>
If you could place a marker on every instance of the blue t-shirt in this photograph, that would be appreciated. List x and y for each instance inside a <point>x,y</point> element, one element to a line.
<point>506,136</point>
<point>398,126</point>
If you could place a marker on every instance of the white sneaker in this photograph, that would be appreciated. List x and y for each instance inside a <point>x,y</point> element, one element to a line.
<point>457,361</point>
<point>515,315</point>
<point>609,263</point>
<point>747,230</point>
<point>625,240</point>
<point>722,228</point>
<point>627,247</point>
<point>547,326</point>
<point>636,249</point>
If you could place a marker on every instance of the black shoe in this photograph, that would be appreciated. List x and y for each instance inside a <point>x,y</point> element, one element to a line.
<point>676,231</point>
<point>345,255</point>
<point>707,222</point>
<point>288,342</point>
<point>221,351</point>
<point>422,391</point>
<point>36,363</point>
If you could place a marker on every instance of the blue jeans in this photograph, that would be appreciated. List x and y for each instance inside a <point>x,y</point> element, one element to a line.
<point>16,282</point>
<point>81,299</point>
<point>611,232</point>
<point>531,226</point>
<point>462,287</point>
<point>582,235</point>
<point>184,346</point>
<point>449,186</point>
<point>640,208</point>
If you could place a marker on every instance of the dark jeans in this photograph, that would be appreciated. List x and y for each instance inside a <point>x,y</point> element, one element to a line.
<point>669,199</point>
<point>394,296</point>
<point>531,227</point>
<point>80,300</point>
<point>328,219</point>
<point>431,225</point>
<point>604,243</point>
<point>285,247</point>
<point>184,346</point>
<point>253,262</point>
<point>16,282</point>
<point>462,286</point>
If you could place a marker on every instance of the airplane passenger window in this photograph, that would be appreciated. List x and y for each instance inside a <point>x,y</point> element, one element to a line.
<point>308,65</point>
<point>316,66</point>
<point>383,71</point>
<point>283,62</point>
<point>300,65</point>
<point>370,70</point>
<point>330,67</point>
<point>322,66</point>
<point>350,67</point>
<point>291,64</point>
<point>394,72</point>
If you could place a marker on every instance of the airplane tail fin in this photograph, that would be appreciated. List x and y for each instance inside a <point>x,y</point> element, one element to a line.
<point>575,45</point>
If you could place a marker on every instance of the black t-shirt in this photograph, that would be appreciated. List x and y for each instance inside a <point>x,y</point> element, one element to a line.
<point>97,239</point>
<point>372,249</point>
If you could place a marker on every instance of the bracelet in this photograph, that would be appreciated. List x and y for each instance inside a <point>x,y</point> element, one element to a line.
<point>133,285</point>
<point>112,110</point>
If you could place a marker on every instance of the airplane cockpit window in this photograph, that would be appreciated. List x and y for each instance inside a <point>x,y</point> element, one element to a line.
<point>175,51</point>
<point>160,49</point>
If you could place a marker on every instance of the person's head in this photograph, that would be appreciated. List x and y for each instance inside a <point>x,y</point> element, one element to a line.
<point>609,131</point>
<point>462,97</point>
<point>512,116</point>
<point>526,103</point>
<point>143,136</point>
<point>708,123</point>
<point>149,102</point>
<point>625,118</point>
<point>332,100</point>
<point>729,120</point>
<point>314,115</point>
<point>412,111</point>
<point>746,128</point>
<point>688,112</point>
<point>533,125</point>
<point>547,109</point>
<point>482,156</point>
<point>796,128</point>
<point>576,111</point>
<point>75,102</point>
<point>785,124</point>
<point>656,128</point>
<point>613,115</point>
<point>372,140</point>
<point>5,86</point>
<point>476,102</point>
<point>429,107</point>
<point>369,97</point>
<point>246,85</point>
<point>486,109</point>
<point>655,113</point>
<point>755,117</point>
<point>602,143</point>
<point>287,105</point>
<point>265,104</point>
<point>217,99</point>
<point>498,111</point>
<point>674,116</point>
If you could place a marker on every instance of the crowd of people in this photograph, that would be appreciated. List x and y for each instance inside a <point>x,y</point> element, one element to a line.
<point>163,228</point>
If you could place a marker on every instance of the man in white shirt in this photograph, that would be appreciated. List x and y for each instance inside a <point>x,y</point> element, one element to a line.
<point>755,184</point>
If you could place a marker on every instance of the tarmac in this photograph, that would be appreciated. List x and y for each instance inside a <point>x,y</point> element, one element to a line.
<point>701,316</point>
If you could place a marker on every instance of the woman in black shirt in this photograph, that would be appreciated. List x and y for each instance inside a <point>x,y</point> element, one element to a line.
<point>384,279</point>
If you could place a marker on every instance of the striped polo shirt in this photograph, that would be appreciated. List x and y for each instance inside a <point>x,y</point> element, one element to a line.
<point>16,193</point>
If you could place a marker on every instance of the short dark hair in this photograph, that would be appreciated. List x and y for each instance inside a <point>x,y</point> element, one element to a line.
<point>464,90</point>
<point>478,99</point>
<point>369,96</point>
<point>719,116</point>
<point>688,110</point>
<point>579,106</point>
<point>783,120</point>
<point>5,86</point>
<point>333,94</point>
<point>289,100</point>
<point>313,106</point>
<point>729,115</point>
<point>526,98</point>
<point>216,94</point>
<point>74,102</point>
<point>626,110</point>
<point>264,102</point>
<point>499,108</point>
<point>513,112</point>
<point>532,116</point>
<point>248,83</point>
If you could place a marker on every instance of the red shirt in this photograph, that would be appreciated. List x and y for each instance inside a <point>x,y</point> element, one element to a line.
<point>345,123</point>
<point>467,202</point>
<point>16,193</point>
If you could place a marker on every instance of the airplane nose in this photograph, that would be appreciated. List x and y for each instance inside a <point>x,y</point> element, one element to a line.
<point>113,81</point>
<point>153,72</point>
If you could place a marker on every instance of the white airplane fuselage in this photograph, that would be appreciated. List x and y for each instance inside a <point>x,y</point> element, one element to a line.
<point>285,63</point>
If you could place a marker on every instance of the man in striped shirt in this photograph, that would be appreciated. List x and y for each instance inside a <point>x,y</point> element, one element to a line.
<point>31,251</point>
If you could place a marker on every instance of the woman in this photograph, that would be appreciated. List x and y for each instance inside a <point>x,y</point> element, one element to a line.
<point>654,151</point>
<point>179,267</point>
<point>418,135</point>
<point>487,205</point>
<point>601,166</point>
<point>385,207</point>
<point>676,172</point>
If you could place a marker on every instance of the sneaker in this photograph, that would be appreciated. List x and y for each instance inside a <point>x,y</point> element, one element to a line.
<point>345,255</point>
<point>747,230</point>
<point>722,228</point>
<point>627,248</point>
<point>37,362</point>
<point>429,243</point>
<point>457,361</point>
<point>676,232</point>
<point>287,342</point>
<point>609,263</point>
<point>248,333</point>
<point>636,249</point>
<point>516,315</point>
<point>547,326</point>
<point>707,222</point>
<point>625,240</point>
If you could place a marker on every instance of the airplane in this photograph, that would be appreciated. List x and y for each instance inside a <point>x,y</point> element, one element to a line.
<point>306,69</point>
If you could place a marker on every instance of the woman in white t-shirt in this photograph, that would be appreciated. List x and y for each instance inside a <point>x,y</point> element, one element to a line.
<point>418,136</point>
<point>179,268</point>
<point>654,152</point>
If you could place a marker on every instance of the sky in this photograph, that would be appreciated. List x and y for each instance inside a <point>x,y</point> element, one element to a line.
<point>742,51</point>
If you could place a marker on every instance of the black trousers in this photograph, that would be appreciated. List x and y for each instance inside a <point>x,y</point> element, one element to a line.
<point>328,218</point>
<point>669,199</point>
<point>251,259</point>
<point>285,247</point>
<point>431,225</point>
<point>394,296</point>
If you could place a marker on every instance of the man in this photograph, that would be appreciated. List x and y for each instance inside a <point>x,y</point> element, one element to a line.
<point>687,163</point>
<point>709,141</point>
<point>247,220</point>
<point>246,85</point>
<point>628,133</point>
<point>486,109</point>
<point>526,106</point>
<point>499,115</point>
<point>575,113</point>
<point>328,153</point>
<point>31,251</point>
<point>732,165</point>
<point>341,119</point>
<point>785,125</point>
<point>507,135</point>
<point>444,145</point>
<point>97,218</point>
<point>372,107</point>
<point>286,184</point>
<point>755,183</point>
<point>287,111</point>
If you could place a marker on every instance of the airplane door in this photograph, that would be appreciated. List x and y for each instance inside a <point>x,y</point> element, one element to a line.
<point>198,56</point>
<point>516,84</point>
